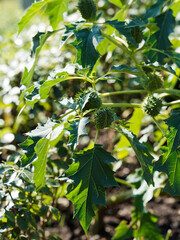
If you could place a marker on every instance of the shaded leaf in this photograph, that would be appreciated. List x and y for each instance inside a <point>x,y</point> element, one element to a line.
<point>22,223</point>
<point>86,43</point>
<point>90,174</point>
<point>123,231</point>
<point>123,30</point>
<point>169,162</point>
<point>166,23</point>
<point>154,10</point>
<point>142,153</point>
<point>125,69</point>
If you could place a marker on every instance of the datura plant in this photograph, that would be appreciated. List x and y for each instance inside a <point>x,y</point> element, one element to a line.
<point>124,78</point>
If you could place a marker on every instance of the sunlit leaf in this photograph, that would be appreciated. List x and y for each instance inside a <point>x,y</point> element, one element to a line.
<point>90,173</point>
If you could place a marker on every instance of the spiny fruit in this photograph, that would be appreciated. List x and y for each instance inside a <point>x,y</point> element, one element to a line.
<point>153,82</point>
<point>152,105</point>
<point>87,9</point>
<point>137,34</point>
<point>93,101</point>
<point>103,118</point>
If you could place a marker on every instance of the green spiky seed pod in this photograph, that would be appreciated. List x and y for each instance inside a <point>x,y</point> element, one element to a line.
<point>137,34</point>
<point>103,118</point>
<point>153,82</point>
<point>93,102</point>
<point>87,9</point>
<point>152,105</point>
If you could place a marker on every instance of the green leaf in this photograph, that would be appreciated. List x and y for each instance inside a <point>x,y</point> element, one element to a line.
<point>148,227</point>
<point>166,23</point>
<point>56,213</point>
<point>86,43</point>
<point>27,76</point>
<point>123,232</point>
<point>123,145</point>
<point>69,32</point>
<point>22,223</point>
<point>10,216</point>
<point>175,7</point>
<point>48,84</point>
<point>35,9</point>
<point>77,129</point>
<point>173,123</point>
<point>142,153</point>
<point>41,150</point>
<point>118,3</point>
<point>68,103</point>
<point>90,174</point>
<point>42,130</point>
<point>123,30</point>
<point>169,162</point>
<point>136,22</point>
<point>125,69</point>
<point>55,10</point>
<point>154,10</point>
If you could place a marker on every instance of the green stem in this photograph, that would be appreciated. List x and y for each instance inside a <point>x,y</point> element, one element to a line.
<point>161,90</point>
<point>64,115</point>
<point>132,105</point>
<point>117,43</point>
<point>159,126</point>
<point>118,198</point>
<point>123,182</point>
<point>172,103</point>
<point>96,137</point>
<point>163,140</point>
<point>122,92</point>
<point>169,232</point>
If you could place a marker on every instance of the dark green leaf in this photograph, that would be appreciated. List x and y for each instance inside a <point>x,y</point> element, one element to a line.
<point>123,30</point>
<point>22,223</point>
<point>142,154</point>
<point>90,174</point>
<point>123,232</point>
<point>56,213</point>
<point>36,41</point>
<point>86,43</point>
<point>166,23</point>
<point>10,216</point>
<point>125,69</point>
<point>77,129</point>
<point>169,162</point>
<point>69,32</point>
<point>136,22</point>
<point>154,10</point>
